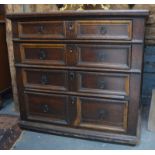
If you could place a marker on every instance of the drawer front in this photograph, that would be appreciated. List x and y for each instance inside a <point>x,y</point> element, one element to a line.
<point>104,83</point>
<point>104,29</point>
<point>45,79</point>
<point>106,56</point>
<point>48,54</point>
<point>42,29</point>
<point>47,108</point>
<point>103,114</point>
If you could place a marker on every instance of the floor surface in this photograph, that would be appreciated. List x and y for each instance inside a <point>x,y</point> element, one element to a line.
<point>40,141</point>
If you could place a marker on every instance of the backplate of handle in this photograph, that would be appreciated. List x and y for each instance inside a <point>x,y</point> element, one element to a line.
<point>45,108</point>
<point>44,79</point>
<point>101,84</point>
<point>101,56</point>
<point>41,29</point>
<point>42,54</point>
<point>103,30</point>
<point>102,113</point>
<point>72,75</point>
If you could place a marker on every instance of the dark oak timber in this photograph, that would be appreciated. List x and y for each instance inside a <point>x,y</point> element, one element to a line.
<point>79,72</point>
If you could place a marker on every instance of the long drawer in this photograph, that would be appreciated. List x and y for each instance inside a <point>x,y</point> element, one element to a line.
<point>76,29</point>
<point>79,55</point>
<point>74,111</point>
<point>76,81</point>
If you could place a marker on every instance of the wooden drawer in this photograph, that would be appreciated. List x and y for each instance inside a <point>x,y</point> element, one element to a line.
<point>80,55</point>
<point>77,29</point>
<point>104,29</point>
<point>47,108</point>
<point>102,114</point>
<point>104,56</point>
<point>42,29</point>
<point>48,54</point>
<point>45,79</point>
<point>103,83</point>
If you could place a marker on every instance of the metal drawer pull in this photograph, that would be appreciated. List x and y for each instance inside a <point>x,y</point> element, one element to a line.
<point>41,29</point>
<point>42,55</point>
<point>102,113</point>
<point>45,108</point>
<point>71,75</point>
<point>101,84</point>
<point>44,79</point>
<point>103,30</point>
<point>73,100</point>
<point>101,56</point>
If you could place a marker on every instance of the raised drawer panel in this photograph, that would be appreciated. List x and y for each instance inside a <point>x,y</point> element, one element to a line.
<point>47,108</point>
<point>42,29</point>
<point>102,114</point>
<point>104,83</point>
<point>105,56</point>
<point>104,29</point>
<point>48,54</point>
<point>45,79</point>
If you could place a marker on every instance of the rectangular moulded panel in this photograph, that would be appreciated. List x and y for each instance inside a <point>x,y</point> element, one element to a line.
<point>103,83</point>
<point>45,54</point>
<point>104,29</point>
<point>42,29</point>
<point>104,56</point>
<point>45,79</point>
<point>47,108</point>
<point>103,114</point>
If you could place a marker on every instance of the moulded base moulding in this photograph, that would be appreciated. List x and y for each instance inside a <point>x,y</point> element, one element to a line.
<point>81,133</point>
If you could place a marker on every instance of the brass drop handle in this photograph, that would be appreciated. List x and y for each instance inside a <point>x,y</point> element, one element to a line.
<point>44,79</point>
<point>101,56</point>
<point>41,29</point>
<point>45,108</point>
<point>42,55</point>
<point>101,84</point>
<point>71,75</point>
<point>103,30</point>
<point>102,113</point>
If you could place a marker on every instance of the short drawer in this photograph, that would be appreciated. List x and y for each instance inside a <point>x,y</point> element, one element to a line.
<point>42,29</point>
<point>45,79</point>
<point>103,83</point>
<point>104,56</point>
<point>104,29</point>
<point>46,108</point>
<point>48,54</point>
<point>103,114</point>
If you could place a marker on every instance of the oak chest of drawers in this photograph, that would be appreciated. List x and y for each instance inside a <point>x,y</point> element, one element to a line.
<point>79,73</point>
